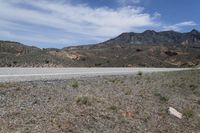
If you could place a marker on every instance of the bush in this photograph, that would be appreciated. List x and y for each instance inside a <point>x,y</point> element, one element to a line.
<point>113,108</point>
<point>83,100</point>
<point>97,64</point>
<point>75,85</point>
<point>139,73</point>
<point>188,113</point>
<point>198,102</point>
<point>161,97</point>
<point>193,87</point>
<point>128,92</point>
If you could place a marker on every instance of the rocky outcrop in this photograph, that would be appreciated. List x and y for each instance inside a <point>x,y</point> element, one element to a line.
<point>151,37</point>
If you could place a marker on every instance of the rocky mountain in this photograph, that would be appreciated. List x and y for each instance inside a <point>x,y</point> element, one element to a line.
<point>151,37</point>
<point>147,49</point>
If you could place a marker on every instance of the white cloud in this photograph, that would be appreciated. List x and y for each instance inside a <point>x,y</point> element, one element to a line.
<point>79,20</point>
<point>179,26</point>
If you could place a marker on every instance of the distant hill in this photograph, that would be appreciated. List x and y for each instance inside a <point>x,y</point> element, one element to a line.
<point>14,54</point>
<point>147,49</point>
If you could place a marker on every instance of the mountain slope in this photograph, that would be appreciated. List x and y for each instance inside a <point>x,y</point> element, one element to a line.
<point>147,49</point>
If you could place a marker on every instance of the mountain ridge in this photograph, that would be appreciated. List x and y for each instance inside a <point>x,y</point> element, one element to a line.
<point>152,37</point>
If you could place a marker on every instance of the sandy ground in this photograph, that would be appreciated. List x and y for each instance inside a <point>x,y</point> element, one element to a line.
<point>109,104</point>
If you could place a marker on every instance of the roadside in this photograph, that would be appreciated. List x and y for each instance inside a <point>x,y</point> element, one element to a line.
<point>33,74</point>
<point>123,103</point>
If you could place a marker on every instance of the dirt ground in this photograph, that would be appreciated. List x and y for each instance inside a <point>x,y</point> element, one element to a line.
<point>110,104</point>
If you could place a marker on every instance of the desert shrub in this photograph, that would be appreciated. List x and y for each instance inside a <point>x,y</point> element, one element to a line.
<point>83,100</point>
<point>75,85</point>
<point>128,92</point>
<point>14,62</point>
<point>188,113</point>
<point>113,80</point>
<point>139,73</point>
<point>161,97</point>
<point>198,102</point>
<point>138,50</point>
<point>97,64</point>
<point>47,61</point>
<point>193,87</point>
<point>170,53</point>
<point>113,108</point>
<point>83,59</point>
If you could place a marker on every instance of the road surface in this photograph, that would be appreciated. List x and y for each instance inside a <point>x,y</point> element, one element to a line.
<point>30,74</point>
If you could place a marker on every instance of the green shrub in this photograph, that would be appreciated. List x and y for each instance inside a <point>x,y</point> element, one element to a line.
<point>161,97</point>
<point>83,100</point>
<point>97,64</point>
<point>188,113</point>
<point>113,108</point>
<point>128,92</point>
<point>193,87</point>
<point>139,73</point>
<point>75,85</point>
<point>113,80</point>
<point>198,102</point>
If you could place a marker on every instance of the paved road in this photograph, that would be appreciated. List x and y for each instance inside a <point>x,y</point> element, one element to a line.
<point>30,74</point>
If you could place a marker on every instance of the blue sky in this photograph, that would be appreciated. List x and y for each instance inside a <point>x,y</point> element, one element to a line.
<point>61,23</point>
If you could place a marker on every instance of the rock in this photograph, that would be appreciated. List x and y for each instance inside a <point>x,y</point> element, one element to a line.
<point>175,113</point>
<point>128,114</point>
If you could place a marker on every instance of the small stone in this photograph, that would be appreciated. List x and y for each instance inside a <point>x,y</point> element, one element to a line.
<point>175,113</point>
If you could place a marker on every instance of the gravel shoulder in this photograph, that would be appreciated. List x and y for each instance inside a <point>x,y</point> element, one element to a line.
<point>32,74</point>
<point>126,103</point>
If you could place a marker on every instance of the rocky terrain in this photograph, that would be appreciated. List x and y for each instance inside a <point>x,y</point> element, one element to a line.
<point>150,37</point>
<point>125,104</point>
<point>147,49</point>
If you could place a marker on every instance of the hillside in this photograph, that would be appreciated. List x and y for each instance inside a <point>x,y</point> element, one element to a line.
<point>14,54</point>
<point>147,49</point>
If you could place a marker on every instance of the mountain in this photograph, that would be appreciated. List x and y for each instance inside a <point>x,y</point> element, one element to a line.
<point>151,37</point>
<point>147,49</point>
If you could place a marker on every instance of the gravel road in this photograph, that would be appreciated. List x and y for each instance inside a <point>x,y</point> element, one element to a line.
<point>31,74</point>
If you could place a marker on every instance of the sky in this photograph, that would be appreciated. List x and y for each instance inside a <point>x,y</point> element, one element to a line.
<point>62,23</point>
